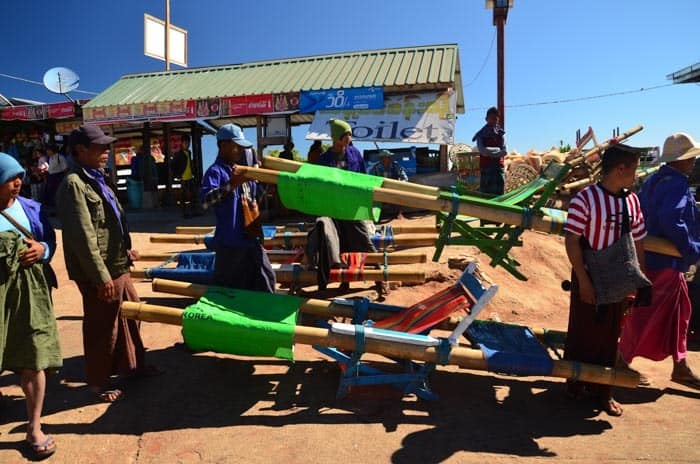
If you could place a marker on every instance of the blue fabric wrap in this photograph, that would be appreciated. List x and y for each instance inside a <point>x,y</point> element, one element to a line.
<point>269,231</point>
<point>511,349</point>
<point>197,268</point>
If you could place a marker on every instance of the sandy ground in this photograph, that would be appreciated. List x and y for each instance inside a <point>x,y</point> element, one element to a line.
<point>218,408</point>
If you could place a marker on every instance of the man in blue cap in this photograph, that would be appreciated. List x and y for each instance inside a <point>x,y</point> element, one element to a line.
<point>241,261</point>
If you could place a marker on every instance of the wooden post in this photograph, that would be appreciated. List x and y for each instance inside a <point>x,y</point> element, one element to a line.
<point>168,199</point>
<point>467,358</point>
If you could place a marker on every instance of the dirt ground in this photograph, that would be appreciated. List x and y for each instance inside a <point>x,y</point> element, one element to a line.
<point>217,408</point>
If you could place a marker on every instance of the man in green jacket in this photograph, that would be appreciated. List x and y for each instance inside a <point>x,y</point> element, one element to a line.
<point>97,251</point>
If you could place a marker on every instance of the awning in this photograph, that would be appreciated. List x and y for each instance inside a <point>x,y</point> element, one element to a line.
<point>241,91</point>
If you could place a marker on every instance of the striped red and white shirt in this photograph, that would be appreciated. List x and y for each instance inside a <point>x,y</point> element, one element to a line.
<point>597,215</point>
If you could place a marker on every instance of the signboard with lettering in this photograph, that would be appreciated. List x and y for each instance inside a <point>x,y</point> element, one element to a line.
<point>60,110</point>
<point>362,98</point>
<point>425,117</point>
<point>246,105</point>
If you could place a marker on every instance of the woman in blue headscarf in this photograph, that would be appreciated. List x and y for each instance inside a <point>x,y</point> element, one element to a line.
<point>28,334</point>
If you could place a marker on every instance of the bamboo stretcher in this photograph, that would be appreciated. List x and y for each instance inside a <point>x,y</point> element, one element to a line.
<point>298,240</point>
<point>403,229</point>
<point>277,256</point>
<point>467,358</point>
<point>413,195</point>
<point>325,308</point>
<point>303,277</point>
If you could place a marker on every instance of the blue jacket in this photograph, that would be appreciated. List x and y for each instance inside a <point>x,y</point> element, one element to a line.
<point>229,212</point>
<point>353,158</point>
<point>43,232</point>
<point>670,212</point>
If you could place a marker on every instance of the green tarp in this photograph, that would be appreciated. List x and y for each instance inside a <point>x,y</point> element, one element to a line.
<point>332,192</point>
<point>242,322</point>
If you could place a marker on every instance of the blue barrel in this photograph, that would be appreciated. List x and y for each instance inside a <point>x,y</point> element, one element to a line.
<point>134,192</point>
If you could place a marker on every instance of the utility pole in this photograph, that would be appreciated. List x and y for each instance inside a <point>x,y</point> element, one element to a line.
<point>500,16</point>
<point>167,34</point>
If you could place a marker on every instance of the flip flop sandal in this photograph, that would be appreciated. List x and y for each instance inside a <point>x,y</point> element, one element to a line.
<point>42,450</point>
<point>609,407</point>
<point>644,381</point>
<point>104,395</point>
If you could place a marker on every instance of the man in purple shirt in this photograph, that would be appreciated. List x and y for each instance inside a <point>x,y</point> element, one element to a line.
<point>342,154</point>
<point>354,236</point>
<point>241,261</point>
<point>661,329</point>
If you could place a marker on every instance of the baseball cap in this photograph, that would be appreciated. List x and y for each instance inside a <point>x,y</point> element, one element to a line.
<point>233,132</point>
<point>89,133</point>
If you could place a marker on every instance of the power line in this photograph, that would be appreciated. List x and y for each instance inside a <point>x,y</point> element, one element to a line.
<point>576,99</point>
<point>41,83</point>
<point>483,65</point>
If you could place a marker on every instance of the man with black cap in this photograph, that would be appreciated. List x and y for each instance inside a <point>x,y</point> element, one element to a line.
<point>241,261</point>
<point>603,218</point>
<point>98,254</point>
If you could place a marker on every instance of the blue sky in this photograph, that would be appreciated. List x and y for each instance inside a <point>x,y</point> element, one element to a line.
<point>554,51</point>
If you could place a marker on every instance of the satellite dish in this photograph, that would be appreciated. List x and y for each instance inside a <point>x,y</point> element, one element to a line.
<point>61,80</point>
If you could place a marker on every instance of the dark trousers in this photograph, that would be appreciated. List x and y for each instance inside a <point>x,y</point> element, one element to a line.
<point>187,197</point>
<point>245,268</point>
<point>593,333</point>
<point>112,343</point>
<point>493,180</point>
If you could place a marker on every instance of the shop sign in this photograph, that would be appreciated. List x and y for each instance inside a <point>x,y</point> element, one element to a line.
<point>285,102</point>
<point>66,127</point>
<point>363,98</point>
<point>246,105</point>
<point>425,117</point>
<point>163,111</point>
<point>38,112</point>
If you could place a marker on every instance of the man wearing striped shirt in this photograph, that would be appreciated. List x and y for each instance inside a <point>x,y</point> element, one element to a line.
<point>595,219</point>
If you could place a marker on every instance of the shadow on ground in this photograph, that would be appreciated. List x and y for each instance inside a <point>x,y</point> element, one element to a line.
<point>477,413</point>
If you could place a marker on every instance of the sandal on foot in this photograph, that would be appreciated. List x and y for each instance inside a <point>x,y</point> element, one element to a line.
<point>611,407</point>
<point>692,381</point>
<point>144,372</point>
<point>110,396</point>
<point>42,450</point>
<point>644,381</point>
<point>575,391</point>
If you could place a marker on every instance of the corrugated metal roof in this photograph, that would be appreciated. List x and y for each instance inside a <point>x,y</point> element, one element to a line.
<point>689,74</point>
<point>431,67</point>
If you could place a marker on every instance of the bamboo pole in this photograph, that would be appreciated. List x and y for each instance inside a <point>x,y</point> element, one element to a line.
<point>603,146</point>
<point>432,203</point>
<point>323,308</point>
<point>277,256</point>
<point>198,230</point>
<point>310,277</point>
<point>298,239</point>
<point>278,164</point>
<point>467,358</point>
<point>399,229</point>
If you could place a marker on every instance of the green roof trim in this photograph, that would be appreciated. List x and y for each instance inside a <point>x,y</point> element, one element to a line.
<point>410,69</point>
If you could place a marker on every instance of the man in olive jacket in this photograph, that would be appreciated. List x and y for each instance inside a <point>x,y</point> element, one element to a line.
<point>97,250</point>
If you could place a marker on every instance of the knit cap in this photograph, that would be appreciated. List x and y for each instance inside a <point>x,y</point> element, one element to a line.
<point>339,128</point>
